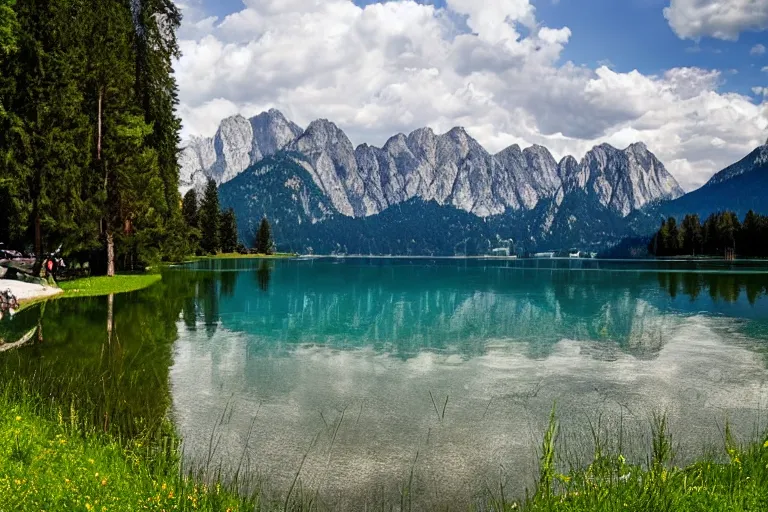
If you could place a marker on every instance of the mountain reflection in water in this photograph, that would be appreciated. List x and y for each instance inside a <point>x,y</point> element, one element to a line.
<point>359,352</point>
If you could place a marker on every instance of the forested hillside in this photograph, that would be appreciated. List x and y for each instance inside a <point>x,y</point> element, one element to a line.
<point>88,133</point>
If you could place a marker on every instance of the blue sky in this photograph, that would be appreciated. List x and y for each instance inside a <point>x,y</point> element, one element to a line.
<point>680,75</point>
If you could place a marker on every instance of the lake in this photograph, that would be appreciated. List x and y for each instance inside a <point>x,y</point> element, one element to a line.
<point>369,373</point>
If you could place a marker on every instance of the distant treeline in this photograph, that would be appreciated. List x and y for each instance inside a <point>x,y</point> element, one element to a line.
<point>212,230</point>
<point>88,130</point>
<point>721,234</point>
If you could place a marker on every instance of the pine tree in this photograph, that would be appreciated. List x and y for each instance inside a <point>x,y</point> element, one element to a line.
<point>228,231</point>
<point>8,27</point>
<point>264,242</point>
<point>156,47</point>
<point>750,234</point>
<point>44,137</point>
<point>673,241</point>
<point>189,209</point>
<point>209,218</point>
<point>728,227</point>
<point>691,235</point>
<point>88,130</point>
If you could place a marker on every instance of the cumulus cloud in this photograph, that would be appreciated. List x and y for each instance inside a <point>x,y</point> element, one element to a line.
<point>721,19</point>
<point>491,67</point>
<point>758,49</point>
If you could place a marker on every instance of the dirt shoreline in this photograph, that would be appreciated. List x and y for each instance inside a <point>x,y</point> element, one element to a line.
<point>25,292</point>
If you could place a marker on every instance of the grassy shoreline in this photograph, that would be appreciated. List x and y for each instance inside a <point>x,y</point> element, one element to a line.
<point>50,461</point>
<point>103,285</point>
<point>54,465</point>
<point>236,256</point>
<point>96,287</point>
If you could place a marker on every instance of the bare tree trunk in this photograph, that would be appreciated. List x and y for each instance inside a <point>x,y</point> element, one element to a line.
<point>110,317</point>
<point>38,235</point>
<point>98,135</point>
<point>108,229</point>
<point>110,253</point>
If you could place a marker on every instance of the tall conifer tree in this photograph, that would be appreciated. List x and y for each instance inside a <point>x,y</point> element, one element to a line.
<point>228,231</point>
<point>210,219</point>
<point>264,242</point>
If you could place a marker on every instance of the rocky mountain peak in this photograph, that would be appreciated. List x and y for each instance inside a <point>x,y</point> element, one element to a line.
<point>322,133</point>
<point>271,133</point>
<point>450,168</point>
<point>625,180</point>
<point>543,169</point>
<point>399,140</point>
<point>567,167</point>
<point>514,149</point>
<point>232,143</point>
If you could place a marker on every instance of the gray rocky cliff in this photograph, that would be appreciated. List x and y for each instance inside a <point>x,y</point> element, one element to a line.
<point>450,169</point>
<point>237,144</point>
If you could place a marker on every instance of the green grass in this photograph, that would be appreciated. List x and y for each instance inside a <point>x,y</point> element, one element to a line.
<point>56,464</point>
<point>103,285</point>
<point>610,483</point>
<point>50,465</point>
<point>98,286</point>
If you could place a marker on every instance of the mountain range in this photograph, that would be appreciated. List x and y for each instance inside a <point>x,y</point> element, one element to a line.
<point>426,193</point>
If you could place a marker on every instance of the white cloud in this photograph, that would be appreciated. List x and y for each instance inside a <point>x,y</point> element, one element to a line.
<point>758,49</point>
<point>396,66</point>
<point>765,69</point>
<point>721,19</point>
<point>760,91</point>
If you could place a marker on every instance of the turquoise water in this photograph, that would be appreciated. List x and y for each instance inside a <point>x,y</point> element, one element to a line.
<point>370,369</point>
<point>460,362</point>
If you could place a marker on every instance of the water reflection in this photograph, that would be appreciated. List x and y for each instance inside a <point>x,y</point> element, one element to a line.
<point>108,357</point>
<point>353,348</point>
<point>264,274</point>
<point>405,309</point>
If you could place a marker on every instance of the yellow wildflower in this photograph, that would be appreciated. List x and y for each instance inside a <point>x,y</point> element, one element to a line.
<point>18,418</point>
<point>765,445</point>
<point>103,482</point>
<point>88,506</point>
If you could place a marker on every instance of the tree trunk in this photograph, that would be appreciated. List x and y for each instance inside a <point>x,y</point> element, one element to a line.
<point>98,134</point>
<point>110,317</point>
<point>110,253</point>
<point>38,235</point>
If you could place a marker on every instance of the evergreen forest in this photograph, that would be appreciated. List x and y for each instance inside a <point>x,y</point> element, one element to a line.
<point>88,131</point>
<point>720,234</point>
